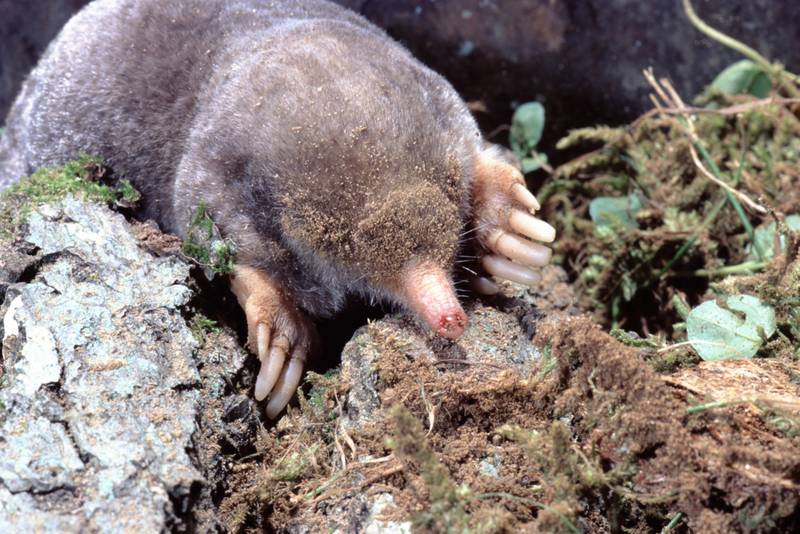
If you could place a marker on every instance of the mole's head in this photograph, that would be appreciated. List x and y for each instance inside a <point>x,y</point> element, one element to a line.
<point>397,241</point>
<point>406,244</point>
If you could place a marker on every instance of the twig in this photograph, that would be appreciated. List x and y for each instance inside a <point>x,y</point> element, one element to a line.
<point>731,110</point>
<point>467,362</point>
<point>697,145</point>
<point>738,194</point>
<point>393,470</point>
<point>675,346</point>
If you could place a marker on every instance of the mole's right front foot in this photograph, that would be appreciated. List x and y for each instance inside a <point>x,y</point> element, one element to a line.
<point>277,331</point>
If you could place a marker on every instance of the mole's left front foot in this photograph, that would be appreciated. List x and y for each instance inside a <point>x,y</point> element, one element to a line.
<point>277,331</point>
<point>506,228</point>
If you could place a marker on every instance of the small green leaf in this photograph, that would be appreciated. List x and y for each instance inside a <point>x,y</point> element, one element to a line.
<point>527,126</point>
<point>615,211</point>
<point>765,237</point>
<point>743,77</point>
<point>717,333</point>
<point>534,162</point>
<point>629,287</point>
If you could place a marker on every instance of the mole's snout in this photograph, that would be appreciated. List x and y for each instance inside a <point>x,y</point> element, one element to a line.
<point>429,292</point>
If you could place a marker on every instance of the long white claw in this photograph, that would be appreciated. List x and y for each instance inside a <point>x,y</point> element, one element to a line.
<point>286,385</point>
<point>521,250</point>
<point>531,227</point>
<point>502,268</point>
<point>484,286</point>
<point>525,197</point>
<point>270,370</point>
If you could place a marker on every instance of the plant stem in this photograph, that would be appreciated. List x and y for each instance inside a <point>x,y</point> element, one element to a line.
<point>713,405</point>
<point>732,199</point>
<point>777,71</point>
<point>673,523</point>
<point>689,243</point>
<point>748,267</point>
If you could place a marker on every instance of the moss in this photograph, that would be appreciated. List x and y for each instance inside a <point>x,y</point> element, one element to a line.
<point>200,325</point>
<point>446,512</point>
<point>293,466</point>
<point>205,246</point>
<point>85,176</point>
<point>320,395</point>
<point>684,228</point>
<point>128,194</point>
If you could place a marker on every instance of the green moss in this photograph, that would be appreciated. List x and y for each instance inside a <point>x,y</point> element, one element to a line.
<point>128,194</point>
<point>321,387</point>
<point>293,466</point>
<point>85,177</point>
<point>686,229</point>
<point>205,246</point>
<point>200,325</point>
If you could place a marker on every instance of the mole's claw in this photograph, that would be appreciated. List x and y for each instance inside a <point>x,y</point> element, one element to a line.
<point>286,384</point>
<point>502,268</point>
<point>276,328</point>
<point>271,368</point>
<point>519,249</point>
<point>531,227</point>
<point>484,286</point>
<point>522,195</point>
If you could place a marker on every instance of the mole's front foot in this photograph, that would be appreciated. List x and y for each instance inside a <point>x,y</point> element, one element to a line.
<point>505,227</point>
<point>277,331</point>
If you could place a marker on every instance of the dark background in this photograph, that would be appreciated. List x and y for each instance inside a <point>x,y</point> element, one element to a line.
<point>582,58</point>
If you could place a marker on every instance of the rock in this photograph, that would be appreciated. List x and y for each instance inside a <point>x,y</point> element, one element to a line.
<point>357,514</point>
<point>582,59</point>
<point>375,525</point>
<point>102,399</point>
<point>26,28</point>
<point>16,260</point>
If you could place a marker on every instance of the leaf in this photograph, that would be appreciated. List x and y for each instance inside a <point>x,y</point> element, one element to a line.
<point>615,211</point>
<point>527,126</point>
<point>743,77</point>
<point>765,237</point>
<point>717,333</point>
<point>629,287</point>
<point>534,162</point>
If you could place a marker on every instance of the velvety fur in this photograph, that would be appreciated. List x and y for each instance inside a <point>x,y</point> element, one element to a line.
<point>321,147</point>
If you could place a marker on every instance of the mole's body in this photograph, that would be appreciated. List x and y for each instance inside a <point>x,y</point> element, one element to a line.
<point>336,162</point>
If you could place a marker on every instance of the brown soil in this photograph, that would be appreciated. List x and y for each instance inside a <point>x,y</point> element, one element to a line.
<point>589,438</point>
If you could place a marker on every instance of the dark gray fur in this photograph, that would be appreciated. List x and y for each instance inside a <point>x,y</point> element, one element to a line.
<point>257,108</point>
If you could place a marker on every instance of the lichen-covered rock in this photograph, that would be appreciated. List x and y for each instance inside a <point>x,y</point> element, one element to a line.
<point>101,394</point>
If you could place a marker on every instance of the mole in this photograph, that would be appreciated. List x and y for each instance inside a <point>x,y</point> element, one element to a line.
<point>339,165</point>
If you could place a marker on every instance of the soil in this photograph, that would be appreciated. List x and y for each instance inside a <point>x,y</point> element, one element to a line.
<point>589,438</point>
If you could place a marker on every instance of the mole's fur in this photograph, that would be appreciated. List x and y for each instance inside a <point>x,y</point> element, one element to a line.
<point>332,158</point>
